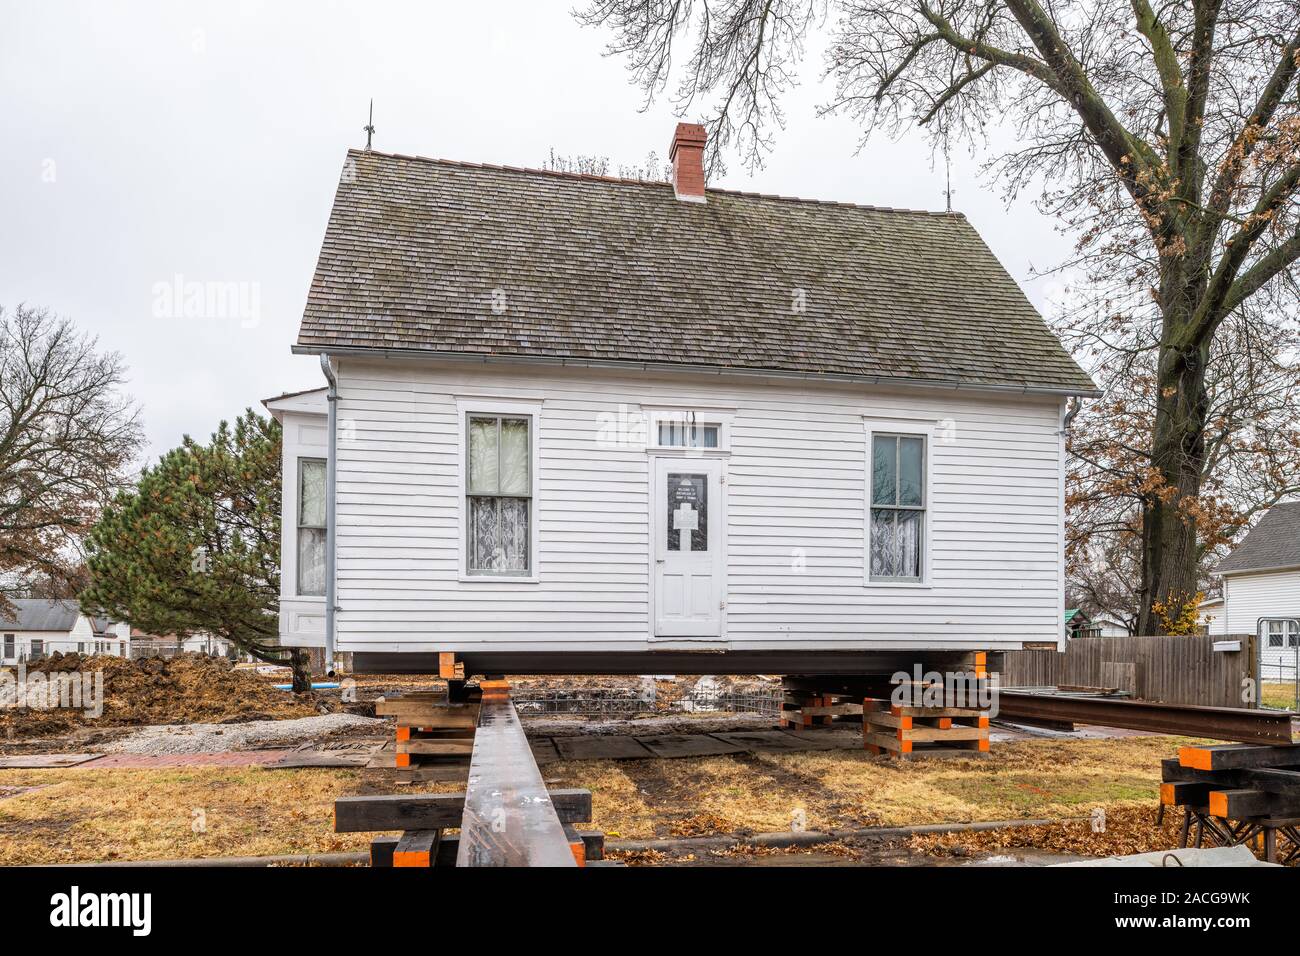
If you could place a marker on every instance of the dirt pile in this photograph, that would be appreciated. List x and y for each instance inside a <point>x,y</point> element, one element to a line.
<point>189,688</point>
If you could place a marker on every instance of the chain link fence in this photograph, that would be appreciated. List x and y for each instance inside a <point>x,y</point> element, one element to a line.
<point>1278,670</point>
<point>648,698</point>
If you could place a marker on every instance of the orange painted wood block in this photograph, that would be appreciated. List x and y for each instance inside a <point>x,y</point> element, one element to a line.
<point>1195,758</point>
<point>446,665</point>
<point>416,859</point>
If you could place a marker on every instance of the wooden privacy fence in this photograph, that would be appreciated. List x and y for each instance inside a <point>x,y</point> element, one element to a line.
<point>1174,670</point>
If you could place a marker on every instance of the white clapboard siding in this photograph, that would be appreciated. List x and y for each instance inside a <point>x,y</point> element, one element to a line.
<point>794,507</point>
<point>1262,594</point>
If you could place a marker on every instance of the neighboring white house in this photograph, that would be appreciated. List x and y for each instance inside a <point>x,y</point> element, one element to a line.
<point>1261,587</point>
<point>1210,615</point>
<point>584,423</point>
<point>37,627</point>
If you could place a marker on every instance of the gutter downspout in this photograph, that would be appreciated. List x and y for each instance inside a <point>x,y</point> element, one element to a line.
<point>332,398</point>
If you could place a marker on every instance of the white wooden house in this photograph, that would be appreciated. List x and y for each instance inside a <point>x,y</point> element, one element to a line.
<point>582,424</point>
<point>36,627</point>
<point>1261,589</point>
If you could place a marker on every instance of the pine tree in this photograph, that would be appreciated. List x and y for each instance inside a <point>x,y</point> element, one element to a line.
<point>195,546</point>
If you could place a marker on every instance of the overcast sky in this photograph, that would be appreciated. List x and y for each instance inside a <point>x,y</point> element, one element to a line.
<point>143,141</point>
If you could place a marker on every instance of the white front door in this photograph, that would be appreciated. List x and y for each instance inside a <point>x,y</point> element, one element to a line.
<point>688,547</point>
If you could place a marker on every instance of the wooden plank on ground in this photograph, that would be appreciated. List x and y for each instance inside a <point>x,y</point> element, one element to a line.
<point>611,747</point>
<point>446,747</point>
<point>689,745</point>
<point>45,761</point>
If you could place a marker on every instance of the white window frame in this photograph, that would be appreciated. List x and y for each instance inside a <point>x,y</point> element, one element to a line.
<point>298,526</point>
<point>907,428</point>
<point>9,647</point>
<point>656,415</point>
<point>510,408</point>
<point>1289,636</point>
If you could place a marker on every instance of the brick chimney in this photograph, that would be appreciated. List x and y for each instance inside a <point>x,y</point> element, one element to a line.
<point>687,155</point>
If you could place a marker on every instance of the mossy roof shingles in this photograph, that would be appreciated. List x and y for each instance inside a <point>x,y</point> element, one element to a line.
<point>429,255</point>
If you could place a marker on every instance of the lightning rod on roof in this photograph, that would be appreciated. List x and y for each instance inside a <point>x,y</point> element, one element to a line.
<point>369,128</point>
<point>947,170</point>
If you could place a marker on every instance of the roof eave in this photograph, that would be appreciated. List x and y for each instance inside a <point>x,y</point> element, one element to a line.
<point>1266,569</point>
<point>559,361</point>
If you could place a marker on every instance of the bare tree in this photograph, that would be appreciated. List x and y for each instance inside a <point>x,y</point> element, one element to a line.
<point>1252,458</point>
<point>67,436</point>
<point>652,171</point>
<point>1169,138</point>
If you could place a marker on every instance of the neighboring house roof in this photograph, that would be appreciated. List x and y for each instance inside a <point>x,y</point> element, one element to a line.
<point>592,270</point>
<point>39,614</point>
<point>1071,614</point>
<point>1273,543</point>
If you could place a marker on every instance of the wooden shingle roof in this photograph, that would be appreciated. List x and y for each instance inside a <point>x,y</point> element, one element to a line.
<point>430,256</point>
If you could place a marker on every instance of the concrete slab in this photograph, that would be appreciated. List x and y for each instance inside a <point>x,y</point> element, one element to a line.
<point>689,745</point>
<point>603,748</point>
<point>44,761</point>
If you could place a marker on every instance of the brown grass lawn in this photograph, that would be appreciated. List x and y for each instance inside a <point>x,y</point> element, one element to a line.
<point>75,814</point>
<point>1278,695</point>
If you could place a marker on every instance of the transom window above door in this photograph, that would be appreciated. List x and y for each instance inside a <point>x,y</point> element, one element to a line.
<point>684,435</point>
<point>685,430</point>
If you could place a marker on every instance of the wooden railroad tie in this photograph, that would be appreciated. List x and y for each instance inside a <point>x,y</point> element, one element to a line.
<point>423,819</point>
<point>1237,794</point>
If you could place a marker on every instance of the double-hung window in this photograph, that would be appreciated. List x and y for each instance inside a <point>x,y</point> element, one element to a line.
<point>1283,633</point>
<point>9,650</point>
<point>311,527</point>
<point>499,495</point>
<point>897,508</point>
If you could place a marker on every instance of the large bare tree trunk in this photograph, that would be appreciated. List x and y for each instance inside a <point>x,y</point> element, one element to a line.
<point>1169,530</point>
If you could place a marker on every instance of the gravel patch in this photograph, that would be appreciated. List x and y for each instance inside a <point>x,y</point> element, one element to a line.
<point>254,735</point>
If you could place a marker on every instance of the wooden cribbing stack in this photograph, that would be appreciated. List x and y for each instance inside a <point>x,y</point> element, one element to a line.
<point>928,729</point>
<point>430,730</point>
<point>802,708</point>
<point>917,731</point>
<point>1237,794</point>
